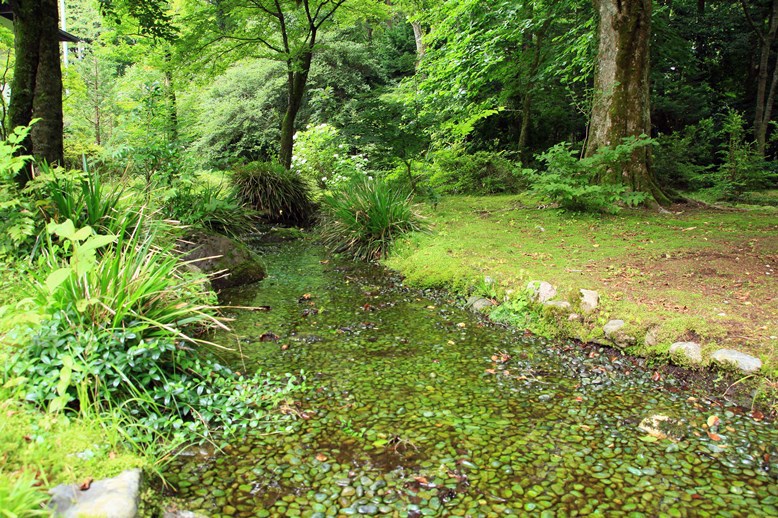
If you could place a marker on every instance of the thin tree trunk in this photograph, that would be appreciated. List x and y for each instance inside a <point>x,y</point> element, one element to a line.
<point>622,97</point>
<point>421,47</point>
<point>764,97</point>
<point>98,139</point>
<point>526,105</point>
<point>172,105</point>
<point>296,82</point>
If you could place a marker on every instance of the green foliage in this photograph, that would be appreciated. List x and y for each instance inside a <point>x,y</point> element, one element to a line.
<point>21,498</point>
<point>18,221</point>
<point>365,218</point>
<point>576,184</point>
<point>115,332</point>
<point>207,206</point>
<point>322,156</point>
<point>281,196</point>
<point>684,159</point>
<point>83,199</point>
<point>483,172</point>
<point>742,168</point>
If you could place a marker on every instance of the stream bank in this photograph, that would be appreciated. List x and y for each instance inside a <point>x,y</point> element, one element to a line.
<point>418,407</point>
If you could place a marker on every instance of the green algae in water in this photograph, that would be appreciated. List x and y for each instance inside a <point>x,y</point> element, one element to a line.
<point>418,408</point>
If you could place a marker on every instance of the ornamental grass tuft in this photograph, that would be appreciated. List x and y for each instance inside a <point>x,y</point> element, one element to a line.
<point>364,218</point>
<point>281,196</point>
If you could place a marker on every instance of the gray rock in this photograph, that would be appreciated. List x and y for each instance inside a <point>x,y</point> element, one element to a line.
<point>479,303</point>
<point>557,304</point>
<point>590,299</point>
<point>541,291</point>
<point>691,351</point>
<point>612,327</point>
<point>742,361</point>
<point>614,333</point>
<point>229,263</point>
<point>652,336</point>
<point>574,317</point>
<point>110,498</point>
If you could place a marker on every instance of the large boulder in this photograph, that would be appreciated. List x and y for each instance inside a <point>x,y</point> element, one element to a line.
<point>228,262</point>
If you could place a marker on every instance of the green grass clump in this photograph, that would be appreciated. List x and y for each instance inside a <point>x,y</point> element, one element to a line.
<point>281,196</point>
<point>365,218</point>
<point>210,208</point>
<point>19,497</point>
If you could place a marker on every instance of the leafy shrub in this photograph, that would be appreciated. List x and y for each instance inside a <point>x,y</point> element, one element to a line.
<point>483,172</point>
<point>363,219</point>
<point>684,159</point>
<point>116,332</point>
<point>321,155</point>
<point>575,183</point>
<point>208,207</point>
<point>742,168</point>
<point>281,196</point>
<point>18,221</point>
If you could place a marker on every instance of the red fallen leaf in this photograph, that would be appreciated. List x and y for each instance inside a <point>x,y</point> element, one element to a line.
<point>27,438</point>
<point>656,376</point>
<point>593,354</point>
<point>695,496</point>
<point>714,436</point>
<point>306,296</point>
<point>579,399</point>
<point>86,484</point>
<point>757,415</point>
<point>321,457</point>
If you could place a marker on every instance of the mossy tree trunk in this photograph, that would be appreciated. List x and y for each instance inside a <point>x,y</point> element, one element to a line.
<point>622,97</point>
<point>36,90</point>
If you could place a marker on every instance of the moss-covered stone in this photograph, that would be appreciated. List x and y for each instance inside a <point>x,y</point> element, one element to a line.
<point>228,262</point>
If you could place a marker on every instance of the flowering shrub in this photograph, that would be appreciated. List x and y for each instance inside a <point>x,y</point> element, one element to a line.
<point>321,155</point>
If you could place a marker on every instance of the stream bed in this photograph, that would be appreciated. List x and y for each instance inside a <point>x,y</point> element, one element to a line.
<point>416,407</point>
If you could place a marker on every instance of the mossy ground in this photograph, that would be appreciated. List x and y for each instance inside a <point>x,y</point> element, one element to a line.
<point>691,274</point>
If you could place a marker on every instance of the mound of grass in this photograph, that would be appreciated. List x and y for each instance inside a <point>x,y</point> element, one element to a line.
<point>281,196</point>
<point>365,218</point>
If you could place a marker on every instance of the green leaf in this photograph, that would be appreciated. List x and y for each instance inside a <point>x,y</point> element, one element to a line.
<point>57,277</point>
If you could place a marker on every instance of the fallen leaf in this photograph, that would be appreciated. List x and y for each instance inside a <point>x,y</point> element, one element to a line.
<point>321,457</point>
<point>713,421</point>
<point>284,347</point>
<point>86,484</point>
<point>421,480</point>
<point>714,436</point>
<point>757,415</point>
<point>461,325</point>
<point>489,371</point>
<point>656,376</point>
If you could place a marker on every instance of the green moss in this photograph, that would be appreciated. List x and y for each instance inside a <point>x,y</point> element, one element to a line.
<point>59,449</point>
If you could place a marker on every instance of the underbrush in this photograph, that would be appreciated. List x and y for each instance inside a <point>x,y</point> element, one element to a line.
<point>102,336</point>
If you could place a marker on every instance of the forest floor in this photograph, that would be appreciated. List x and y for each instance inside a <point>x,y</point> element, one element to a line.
<point>692,274</point>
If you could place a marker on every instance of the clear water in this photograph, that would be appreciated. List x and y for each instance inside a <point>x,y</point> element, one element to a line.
<point>418,407</point>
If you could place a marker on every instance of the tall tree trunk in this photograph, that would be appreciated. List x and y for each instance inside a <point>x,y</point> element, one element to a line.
<point>36,91</point>
<point>765,95</point>
<point>622,97</point>
<point>172,105</point>
<point>295,86</point>
<point>98,136</point>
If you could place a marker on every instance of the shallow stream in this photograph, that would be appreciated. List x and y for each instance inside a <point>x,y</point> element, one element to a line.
<point>419,408</point>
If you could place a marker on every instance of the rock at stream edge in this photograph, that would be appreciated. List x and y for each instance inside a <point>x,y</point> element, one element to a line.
<point>110,498</point>
<point>744,362</point>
